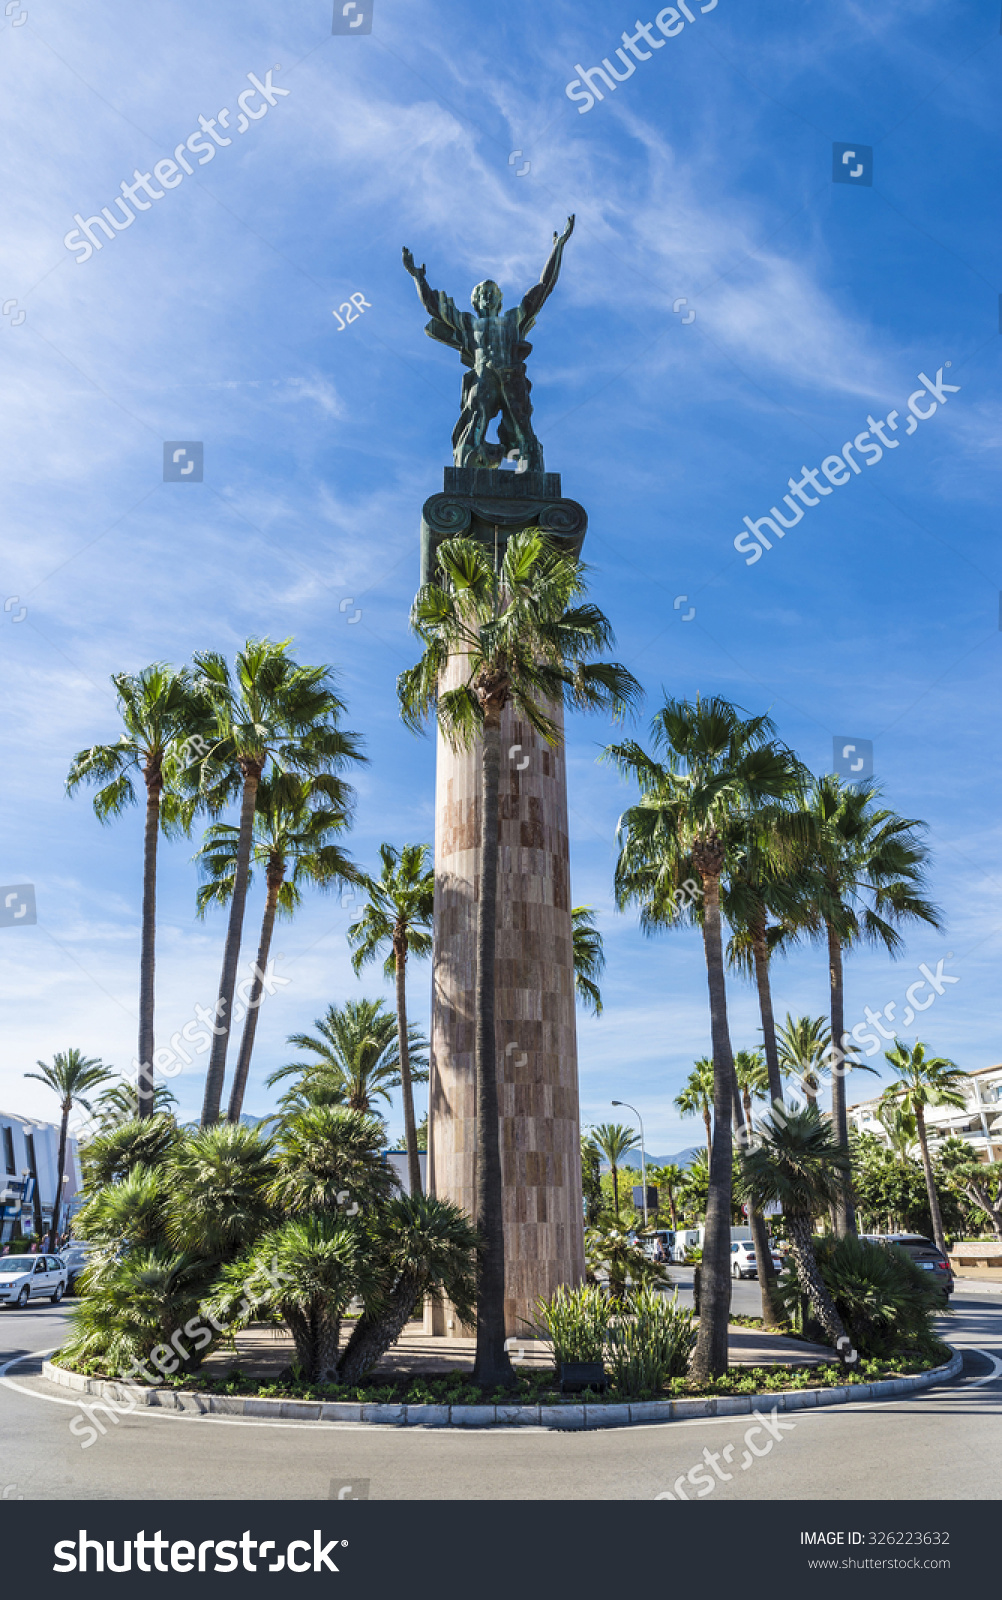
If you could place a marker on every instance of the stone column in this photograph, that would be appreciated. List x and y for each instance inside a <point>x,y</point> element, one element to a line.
<point>534,997</point>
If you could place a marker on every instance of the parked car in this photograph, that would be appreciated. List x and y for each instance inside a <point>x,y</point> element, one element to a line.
<point>24,1278</point>
<point>743,1262</point>
<point>75,1257</point>
<point>924,1252</point>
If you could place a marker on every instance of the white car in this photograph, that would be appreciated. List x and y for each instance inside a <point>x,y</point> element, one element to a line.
<point>24,1278</point>
<point>743,1263</point>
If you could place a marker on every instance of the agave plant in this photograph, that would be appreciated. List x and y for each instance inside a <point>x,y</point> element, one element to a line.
<point>651,1340</point>
<point>575,1321</point>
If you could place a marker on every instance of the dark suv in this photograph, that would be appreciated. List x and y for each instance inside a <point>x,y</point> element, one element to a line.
<point>924,1253</point>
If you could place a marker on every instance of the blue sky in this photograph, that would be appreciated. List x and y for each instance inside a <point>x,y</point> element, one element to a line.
<point>706,174</point>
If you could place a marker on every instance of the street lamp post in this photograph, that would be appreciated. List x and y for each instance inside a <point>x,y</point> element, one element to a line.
<point>643,1158</point>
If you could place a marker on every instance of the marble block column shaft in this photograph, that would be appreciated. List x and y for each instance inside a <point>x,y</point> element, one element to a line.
<point>534,992</point>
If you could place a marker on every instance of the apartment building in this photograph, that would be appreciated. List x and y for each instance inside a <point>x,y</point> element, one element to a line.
<point>979,1124</point>
<point>29,1153</point>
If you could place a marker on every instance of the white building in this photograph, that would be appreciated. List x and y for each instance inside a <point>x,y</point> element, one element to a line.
<point>30,1150</point>
<point>979,1124</point>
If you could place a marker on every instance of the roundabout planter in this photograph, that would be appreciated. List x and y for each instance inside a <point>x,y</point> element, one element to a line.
<point>562,1416</point>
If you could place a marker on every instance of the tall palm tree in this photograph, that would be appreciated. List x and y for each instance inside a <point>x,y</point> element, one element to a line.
<point>922,1082</point>
<point>714,767</point>
<point>613,1140</point>
<point>73,1077</point>
<point>517,634</point>
<point>696,1098</point>
<point>866,870</point>
<point>798,1165</point>
<point>803,1048</point>
<point>158,713</point>
<point>294,841</point>
<point>668,1178</point>
<point>268,710</point>
<point>766,882</point>
<point>589,958</point>
<point>399,916</point>
<point>752,1073</point>
<point>356,1057</point>
<point>899,1127</point>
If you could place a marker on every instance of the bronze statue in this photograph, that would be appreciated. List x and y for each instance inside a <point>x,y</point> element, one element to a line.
<point>492,344</point>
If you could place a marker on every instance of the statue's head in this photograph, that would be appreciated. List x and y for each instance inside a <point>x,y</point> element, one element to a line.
<point>486,298</point>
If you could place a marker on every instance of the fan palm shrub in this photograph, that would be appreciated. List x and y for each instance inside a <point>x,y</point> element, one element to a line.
<point>309,1271</point>
<point>611,1252</point>
<point>799,1164</point>
<point>220,1179</point>
<point>885,1302</point>
<point>140,1142</point>
<point>330,1158</point>
<point>417,1248</point>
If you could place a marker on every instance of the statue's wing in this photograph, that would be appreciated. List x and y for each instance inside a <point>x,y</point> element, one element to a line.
<point>450,326</point>
<point>445,333</point>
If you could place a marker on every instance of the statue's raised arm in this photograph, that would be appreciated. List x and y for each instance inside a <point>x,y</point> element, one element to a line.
<point>429,297</point>
<point>532,302</point>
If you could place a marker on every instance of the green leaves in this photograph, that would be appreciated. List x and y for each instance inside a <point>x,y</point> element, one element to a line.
<point>521,635</point>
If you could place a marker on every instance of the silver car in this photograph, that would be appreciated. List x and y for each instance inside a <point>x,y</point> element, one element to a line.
<point>25,1278</point>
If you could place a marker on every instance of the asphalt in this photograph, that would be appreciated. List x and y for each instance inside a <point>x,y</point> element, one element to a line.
<point>944,1443</point>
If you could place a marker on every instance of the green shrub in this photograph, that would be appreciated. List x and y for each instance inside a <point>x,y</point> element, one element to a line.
<point>649,1342</point>
<point>886,1302</point>
<point>574,1321</point>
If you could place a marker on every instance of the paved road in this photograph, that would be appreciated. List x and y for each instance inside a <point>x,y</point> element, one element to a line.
<point>945,1443</point>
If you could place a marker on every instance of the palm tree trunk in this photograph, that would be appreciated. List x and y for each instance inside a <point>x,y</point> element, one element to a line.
<point>491,1366</point>
<point>403,1050</point>
<point>374,1332</point>
<point>772,1314</point>
<point>930,1182</point>
<point>845,1209</point>
<point>615,1189</point>
<point>810,1279</point>
<point>275,880</point>
<point>216,1071</point>
<point>147,955</point>
<point>710,1356</point>
<point>60,1166</point>
<point>708,1125</point>
<point>760,951</point>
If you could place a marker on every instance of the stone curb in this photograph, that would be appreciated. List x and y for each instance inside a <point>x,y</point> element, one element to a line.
<point>557,1417</point>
